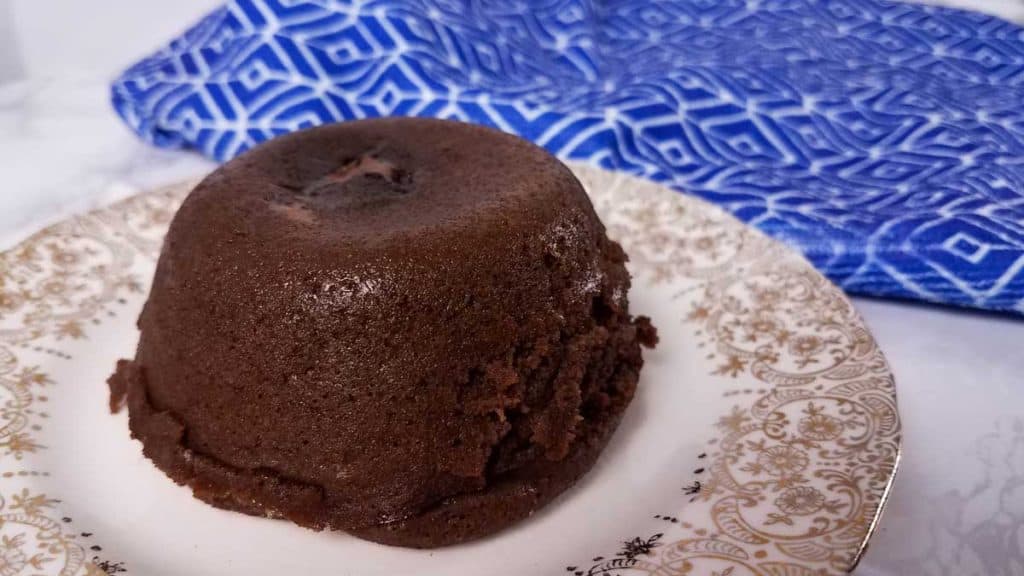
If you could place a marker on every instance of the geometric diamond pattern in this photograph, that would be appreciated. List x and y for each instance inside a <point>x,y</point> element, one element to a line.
<point>967,247</point>
<point>884,140</point>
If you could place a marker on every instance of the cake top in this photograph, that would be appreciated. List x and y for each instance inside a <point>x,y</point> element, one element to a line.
<point>374,180</point>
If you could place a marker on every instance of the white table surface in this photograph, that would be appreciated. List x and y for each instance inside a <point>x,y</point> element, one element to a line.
<point>958,505</point>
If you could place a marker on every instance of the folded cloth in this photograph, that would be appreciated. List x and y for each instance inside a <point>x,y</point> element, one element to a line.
<point>884,140</point>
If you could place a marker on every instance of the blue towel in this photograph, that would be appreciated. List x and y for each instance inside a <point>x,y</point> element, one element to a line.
<point>884,140</point>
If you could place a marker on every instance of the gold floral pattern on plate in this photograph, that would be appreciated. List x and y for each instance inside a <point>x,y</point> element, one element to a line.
<point>796,469</point>
<point>54,287</point>
<point>800,468</point>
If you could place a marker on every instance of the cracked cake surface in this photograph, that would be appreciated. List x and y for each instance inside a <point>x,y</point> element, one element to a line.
<point>415,331</point>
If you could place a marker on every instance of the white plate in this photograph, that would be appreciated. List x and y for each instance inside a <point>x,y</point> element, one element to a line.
<point>763,438</point>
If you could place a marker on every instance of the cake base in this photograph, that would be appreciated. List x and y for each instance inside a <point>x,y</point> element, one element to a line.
<point>506,499</point>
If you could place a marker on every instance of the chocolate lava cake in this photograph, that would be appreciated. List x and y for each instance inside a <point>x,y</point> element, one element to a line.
<point>415,331</point>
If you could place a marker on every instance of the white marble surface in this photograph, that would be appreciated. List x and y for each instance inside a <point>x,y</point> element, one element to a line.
<point>958,505</point>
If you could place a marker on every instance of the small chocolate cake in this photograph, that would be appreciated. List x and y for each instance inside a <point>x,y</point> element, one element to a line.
<point>415,331</point>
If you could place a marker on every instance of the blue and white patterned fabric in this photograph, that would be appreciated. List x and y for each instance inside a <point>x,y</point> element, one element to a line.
<point>884,140</point>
